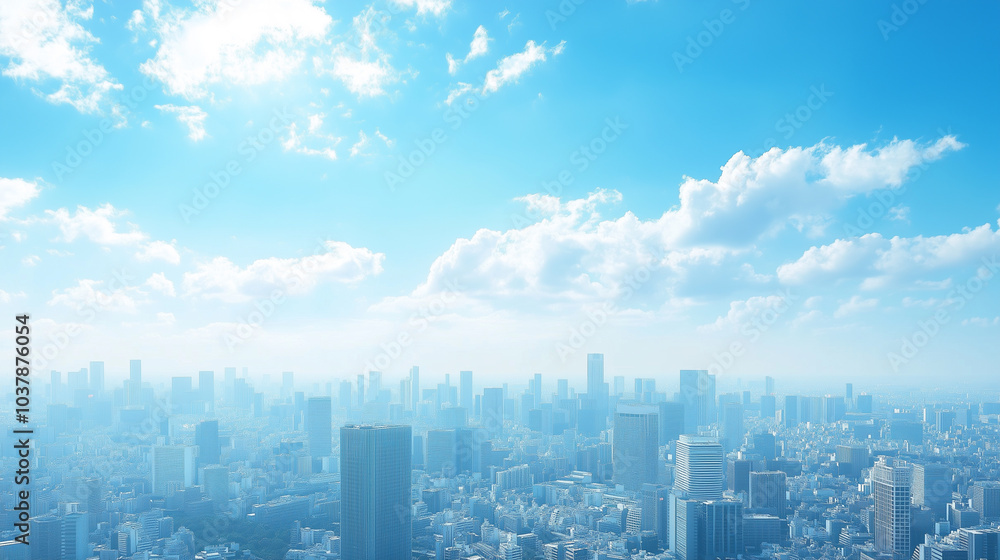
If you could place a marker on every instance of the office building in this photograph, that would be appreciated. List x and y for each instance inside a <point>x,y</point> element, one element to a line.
<point>319,426</point>
<point>891,482</point>
<point>636,445</point>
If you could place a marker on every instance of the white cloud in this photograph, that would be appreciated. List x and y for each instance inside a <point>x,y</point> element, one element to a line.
<point>15,193</point>
<point>855,305</point>
<point>159,250</point>
<point>743,313</point>
<point>313,142</point>
<point>98,225</point>
<point>94,295</point>
<point>900,213</point>
<point>31,260</point>
<point>221,279</point>
<point>510,68</point>
<point>160,283</point>
<point>364,141</point>
<point>480,45</point>
<point>757,196</point>
<point>433,7</point>
<point>256,42</point>
<point>193,117</point>
<point>879,261</point>
<point>981,322</point>
<point>45,43</point>
<point>363,68</point>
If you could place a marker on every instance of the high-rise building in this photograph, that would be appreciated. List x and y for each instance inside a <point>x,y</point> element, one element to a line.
<point>215,479</point>
<point>891,482</point>
<point>766,445</point>
<point>986,499</point>
<point>206,388</point>
<point>699,468</point>
<point>173,467</point>
<point>492,417</point>
<point>697,393</point>
<point>442,447</point>
<point>932,487</point>
<point>465,390</point>
<point>636,445</point>
<point>732,425</point>
<point>96,377</point>
<point>206,437</point>
<point>344,396</point>
<point>361,390</point>
<point>863,404</point>
<point>319,426</point>
<point>981,543</point>
<point>375,492</point>
<point>852,459</point>
<point>656,512</point>
<point>671,421</point>
<point>685,537</point>
<point>723,534</point>
<point>790,414</point>
<point>134,383</point>
<point>768,385</point>
<point>414,387</point>
<point>767,406</point>
<point>595,376</point>
<point>767,492</point>
<point>374,385</point>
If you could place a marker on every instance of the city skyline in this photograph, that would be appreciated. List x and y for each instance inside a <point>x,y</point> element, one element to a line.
<point>444,183</point>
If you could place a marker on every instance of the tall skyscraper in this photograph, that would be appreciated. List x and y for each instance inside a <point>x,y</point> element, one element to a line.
<point>319,426</point>
<point>134,382</point>
<point>768,385</point>
<point>493,410</point>
<point>932,487</point>
<point>374,385</point>
<point>671,421</point>
<point>375,492</point>
<point>96,377</point>
<point>344,396</point>
<point>791,411</point>
<point>415,386</point>
<point>537,390</point>
<point>636,445</point>
<point>465,389</point>
<point>206,437</point>
<point>697,393</point>
<point>767,492</point>
<point>767,406</point>
<point>699,468</point>
<point>361,390</point>
<point>442,448</point>
<point>891,480</point>
<point>732,425</point>
<point>206,388</point>
<point>596,389</point>
<point>723,536</point>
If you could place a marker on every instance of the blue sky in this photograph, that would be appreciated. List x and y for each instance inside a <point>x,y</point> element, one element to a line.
<point>792,189</point>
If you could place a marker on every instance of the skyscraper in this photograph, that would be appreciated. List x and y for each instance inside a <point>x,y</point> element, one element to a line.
<point>173,467</point>
<point>596,389</point>
<point>732,425</point>
<point>134,382</point>
<point>671,421</point>
<point>932,487</point>
<point>891,479</point>
<point>96,377</point>
<point>697,393</point>
<point>415,386</point>
<point>699,468</point>
<point>319,426</point>
<point>723,534</point>
<point>767,492</point>
<point>206,387</point>
<point>465,390</point>
<point>493,410</point>
<point>206,437</point>
<point>344,396</point>
<point>636,445</point>
<point>375,492</point>
<point>768,385</point>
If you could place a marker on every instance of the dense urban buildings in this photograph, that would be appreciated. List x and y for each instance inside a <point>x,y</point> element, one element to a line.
<point>686,466</point>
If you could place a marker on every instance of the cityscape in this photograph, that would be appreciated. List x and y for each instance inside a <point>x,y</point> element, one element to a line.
<point>240,466</point>
<point>499,280</point>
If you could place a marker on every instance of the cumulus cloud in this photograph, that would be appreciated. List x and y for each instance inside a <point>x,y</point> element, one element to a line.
<point>879,261</point>
<point>361,65</point>
<point>756,196</point>
<point>257,42</point>
<point>193,117</point>
<point>46,43</point>
<point>312,142</point>
<point>364,142</point>
<point>15,193</point>
<point>101,226</point>
<point>158,282</point>
<point>94,294</point>
<point>222,279</point>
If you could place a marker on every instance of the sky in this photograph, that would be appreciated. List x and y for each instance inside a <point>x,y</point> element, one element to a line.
<point>801,190</point>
